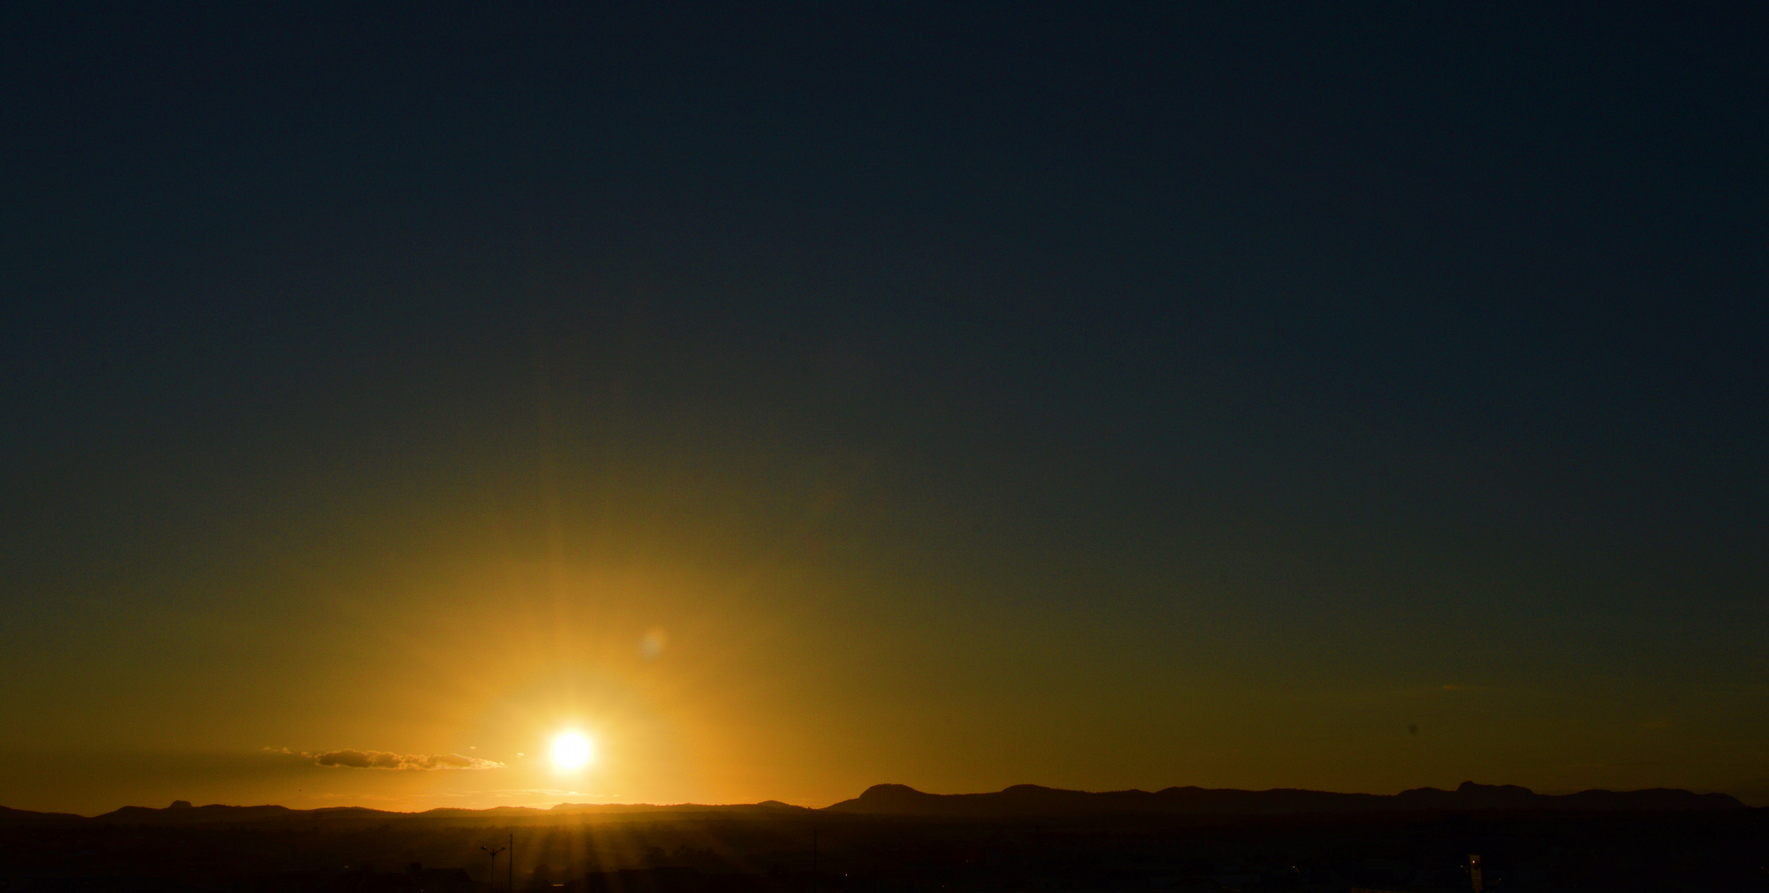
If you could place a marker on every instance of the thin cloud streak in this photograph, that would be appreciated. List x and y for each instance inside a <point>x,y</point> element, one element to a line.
<point>381,759</point>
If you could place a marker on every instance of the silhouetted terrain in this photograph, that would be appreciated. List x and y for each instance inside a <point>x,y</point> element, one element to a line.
<point>1032,800</point>
<point>13,818</point>
<point>1024,800</point>
<point>893,838</point>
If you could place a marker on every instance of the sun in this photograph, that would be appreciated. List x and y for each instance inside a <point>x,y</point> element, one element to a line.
<point>571,750</point>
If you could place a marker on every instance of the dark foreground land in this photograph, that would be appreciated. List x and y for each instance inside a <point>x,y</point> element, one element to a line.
<point>774,849</point>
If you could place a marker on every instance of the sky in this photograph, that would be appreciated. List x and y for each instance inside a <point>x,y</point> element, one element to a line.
<point>796,398</point>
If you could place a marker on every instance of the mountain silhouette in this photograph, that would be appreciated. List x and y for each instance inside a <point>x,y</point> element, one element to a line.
<point>1034,800</point>
<point>186,814</point>
<point>24,818</point>
<point>1023,800</point>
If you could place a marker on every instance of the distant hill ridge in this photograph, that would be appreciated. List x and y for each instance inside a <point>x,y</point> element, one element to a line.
<point>1034,800</point>
<point>1024,800</point>
<point>183,813</point>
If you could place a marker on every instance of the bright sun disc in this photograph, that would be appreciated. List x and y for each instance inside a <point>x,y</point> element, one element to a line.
<point>571,750</point>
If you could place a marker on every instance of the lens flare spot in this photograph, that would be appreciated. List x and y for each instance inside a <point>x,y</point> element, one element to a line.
<point>652,643</point>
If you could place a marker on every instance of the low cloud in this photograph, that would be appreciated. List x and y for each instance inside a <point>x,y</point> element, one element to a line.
<point>519,792</point>
<point>380,759</point>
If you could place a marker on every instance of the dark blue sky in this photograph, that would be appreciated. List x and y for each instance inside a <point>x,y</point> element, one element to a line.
<point>1386,345</point>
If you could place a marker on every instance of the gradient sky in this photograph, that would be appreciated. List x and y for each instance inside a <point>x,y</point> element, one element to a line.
<point>799,399</point>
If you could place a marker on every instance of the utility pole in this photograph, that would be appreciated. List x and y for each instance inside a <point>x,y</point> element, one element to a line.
<point>512,884</point>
